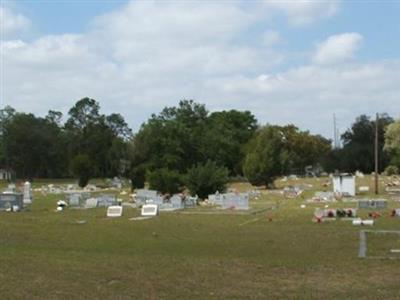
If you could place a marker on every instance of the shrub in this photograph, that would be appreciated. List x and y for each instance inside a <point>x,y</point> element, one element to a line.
<point>391,170</point>
<point>205,179</point>
<point>81,166</point>
<point>165,180</point>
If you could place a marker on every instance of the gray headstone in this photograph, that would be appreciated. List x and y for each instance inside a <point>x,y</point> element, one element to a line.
<point>91,203</point>
<point>8,200</point>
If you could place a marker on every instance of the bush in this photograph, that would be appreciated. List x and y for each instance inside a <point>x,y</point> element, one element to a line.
<point>205,179</point>
<point>138,177</point>
<point>391,170</point>
<point>165,181</point>
<point>81,166</point>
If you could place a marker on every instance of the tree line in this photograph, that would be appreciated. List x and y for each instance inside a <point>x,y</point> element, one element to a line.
<point>183,146</point>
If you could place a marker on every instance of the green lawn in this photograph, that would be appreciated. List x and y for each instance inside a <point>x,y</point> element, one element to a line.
<point>47,255</point>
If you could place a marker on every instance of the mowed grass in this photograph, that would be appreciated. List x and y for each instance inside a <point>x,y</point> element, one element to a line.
<point>276,254</point>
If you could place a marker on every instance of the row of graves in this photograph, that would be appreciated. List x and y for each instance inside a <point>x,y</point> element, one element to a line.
<point>164,202</point>
<point>236,201</point>
<point>13,200</point>
<point>85,200</point>
<point>375,208</point>
<point>110,184</point>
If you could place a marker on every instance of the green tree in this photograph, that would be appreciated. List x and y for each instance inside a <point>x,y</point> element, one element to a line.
<point>6,115</point>
<point>171,139</point>
<point>184,136</point>
<point>278,150</point>
<point>358,145</point>
<point>205,179</point>
<point>165,181</point>
<point>266,157</point>
<point>226,136</point>
<point>392,142</point>
<point>33,146</point>
<point>104,139</point>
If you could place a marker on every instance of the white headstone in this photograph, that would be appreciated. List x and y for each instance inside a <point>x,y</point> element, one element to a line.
<point>344,185</point>
<point>397,212</point>
<point>91,203</point>
<point>149,210</point>
<point>114,211</point>
<point>363,188</point>
<point>27,193</point>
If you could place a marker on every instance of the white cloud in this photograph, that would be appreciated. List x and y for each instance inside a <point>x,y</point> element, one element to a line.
<point>309,95</point>
<point>304,12</point>
<point>12,23</point>
<point>338,48</point>
<point>146,55</point>
<point>271,38</point>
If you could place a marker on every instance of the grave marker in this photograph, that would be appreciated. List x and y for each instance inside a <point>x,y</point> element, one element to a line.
<point>27,193</point>
<point>114,211</point>
<point>150,210</point>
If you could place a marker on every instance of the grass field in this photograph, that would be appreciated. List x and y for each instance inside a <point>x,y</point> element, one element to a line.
<point>48,255</point>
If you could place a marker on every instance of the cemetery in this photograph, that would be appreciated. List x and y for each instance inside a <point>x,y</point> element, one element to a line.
<point>252,241</point>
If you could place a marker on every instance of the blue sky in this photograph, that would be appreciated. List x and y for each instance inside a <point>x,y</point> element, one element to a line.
<point>288,61</point>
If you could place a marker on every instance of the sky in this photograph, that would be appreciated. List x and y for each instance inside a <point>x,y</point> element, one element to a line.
<point>295,62</point>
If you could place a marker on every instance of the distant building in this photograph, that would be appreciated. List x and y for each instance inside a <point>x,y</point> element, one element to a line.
<point>7,174</point>
<point>344,185</point>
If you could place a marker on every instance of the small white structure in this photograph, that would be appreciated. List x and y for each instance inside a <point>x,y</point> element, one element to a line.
<point>114,211</point>
<point>6,174</point>
<point>150,210</point>
<point>344,185</point>
<point>27,193</point>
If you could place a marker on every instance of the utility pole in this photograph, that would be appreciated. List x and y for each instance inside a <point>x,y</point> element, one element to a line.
<point>338,145</point>
<point>334,132</point>
<point>376,155</point>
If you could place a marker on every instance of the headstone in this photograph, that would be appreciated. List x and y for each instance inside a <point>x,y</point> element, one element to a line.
<point>143,195</point>
<point>11,188</point>
<point>215,199</point>
<point>27,193</point>
<point>359,174</point>
<point>372,204</point>
<point>74,199</point>
<point>324,196</point>
<point>8,200</point>
<point>106,201</point>
<point>360,222</point>
<point>344,185</point>
<point>114,211</point>
<point>166,207</point>
<point>363,189</point>
<point>292,191</point>
<point>150,210</point>
<point>190,202</point>
<point>230,200</point>
<point>91,203</point>
<point>397,210</point>
<point>176,202</point>
<point>117,183</point>
<point>235,201</point>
